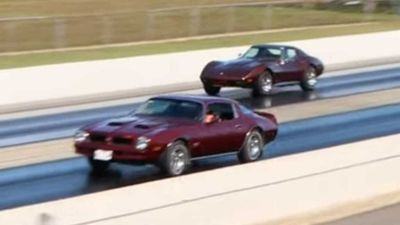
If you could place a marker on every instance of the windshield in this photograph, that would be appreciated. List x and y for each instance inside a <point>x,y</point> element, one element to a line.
<point>171,108</point>
<point>246,110</point>
<point>263,52</point>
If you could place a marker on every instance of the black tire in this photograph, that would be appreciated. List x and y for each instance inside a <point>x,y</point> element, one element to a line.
<point>211,90</point>
<point>309,79</point>
<point>175,160</point>
<point>263,84</point>
<point>97,166</point>
<point>248,153</point>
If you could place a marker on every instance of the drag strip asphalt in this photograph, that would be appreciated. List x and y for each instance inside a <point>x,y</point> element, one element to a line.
<point>61,125</point>
<point>66,178</point>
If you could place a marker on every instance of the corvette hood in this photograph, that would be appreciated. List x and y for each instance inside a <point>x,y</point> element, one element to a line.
<point>232,68</point>
<point>135,126</point>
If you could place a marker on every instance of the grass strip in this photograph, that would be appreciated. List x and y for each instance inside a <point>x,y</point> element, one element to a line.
<point>148,49</point>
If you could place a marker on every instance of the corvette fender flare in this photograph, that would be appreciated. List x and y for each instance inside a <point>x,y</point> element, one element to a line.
<point>254,73</point>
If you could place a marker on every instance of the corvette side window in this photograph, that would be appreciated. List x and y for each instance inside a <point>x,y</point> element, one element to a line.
<point>275,52</point>
<point>291,53</point>
<point>223,110</point>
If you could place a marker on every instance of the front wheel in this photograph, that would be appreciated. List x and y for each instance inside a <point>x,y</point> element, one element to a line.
<point>309,80</point>
<point>263,85</point>
<point>252,148</point>
<point>175,160</point>
<point>211,90</point>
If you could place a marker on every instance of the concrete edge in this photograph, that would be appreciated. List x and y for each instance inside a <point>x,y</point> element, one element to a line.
<point>341,211</point>
<point>161,89</point>
<point>173,202</point>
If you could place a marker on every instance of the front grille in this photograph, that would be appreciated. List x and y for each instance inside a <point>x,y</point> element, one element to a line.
<point>98,138</point>
<point>101,138</point>
<point>122,141</point>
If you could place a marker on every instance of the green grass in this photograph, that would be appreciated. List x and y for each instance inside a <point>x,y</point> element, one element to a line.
<point>84,7</point>
<point>131,26</point>
<point>147,49</point>
<point>72,23</point>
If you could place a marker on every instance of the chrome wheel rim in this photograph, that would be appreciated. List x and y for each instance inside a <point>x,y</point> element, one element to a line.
<point>177,163</point>
<point>311,78</point>
<point>266,83</point>
<point>254,146</point>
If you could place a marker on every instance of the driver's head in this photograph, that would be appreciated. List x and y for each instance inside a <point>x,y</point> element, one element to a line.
<point>210,116</point>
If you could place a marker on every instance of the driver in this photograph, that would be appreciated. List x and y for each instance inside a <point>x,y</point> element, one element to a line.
<point>210,117</point>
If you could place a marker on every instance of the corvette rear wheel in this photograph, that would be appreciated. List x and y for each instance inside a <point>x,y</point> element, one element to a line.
<point>98,167</point>
<point>175,160</point>
<point>252,148</point>
<point>309,80</point>
<point>263,84</point>
<point>211,90</point>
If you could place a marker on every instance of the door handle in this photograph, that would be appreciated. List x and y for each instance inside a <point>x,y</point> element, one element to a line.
<point>238,126</point>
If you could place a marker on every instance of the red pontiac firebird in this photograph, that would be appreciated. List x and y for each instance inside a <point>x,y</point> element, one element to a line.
<point>261,67</point>
<point>169,131</point>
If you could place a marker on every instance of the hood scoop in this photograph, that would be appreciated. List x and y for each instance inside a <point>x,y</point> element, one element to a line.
<point>141,126</point>
<point>120,122</point>
<point>116,124</point>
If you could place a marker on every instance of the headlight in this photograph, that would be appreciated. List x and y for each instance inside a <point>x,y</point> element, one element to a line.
<point>81,136</point>
<point>142,143</point>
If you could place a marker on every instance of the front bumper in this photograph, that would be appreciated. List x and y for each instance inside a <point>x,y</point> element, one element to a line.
<point>228,83</point>
<point>120,152</point>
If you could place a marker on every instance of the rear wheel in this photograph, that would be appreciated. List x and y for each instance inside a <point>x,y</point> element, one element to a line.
<point>210,89</point>
<point>175,160</point>
<point>309,80</point>
<point>263,84</point>
<point>252,148</point>
<point>98,167</point>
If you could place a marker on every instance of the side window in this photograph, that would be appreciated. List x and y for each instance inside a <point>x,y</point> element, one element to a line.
<point>223,110</point>
<point>291,53</point>
<point>274,52</point>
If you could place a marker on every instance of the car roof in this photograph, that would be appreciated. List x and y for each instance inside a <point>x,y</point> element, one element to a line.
<point>196,98</point>
<point>272,45</point>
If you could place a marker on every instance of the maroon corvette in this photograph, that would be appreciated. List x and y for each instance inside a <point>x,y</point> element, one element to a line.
<point>169,131</point>
<point>261,67</point>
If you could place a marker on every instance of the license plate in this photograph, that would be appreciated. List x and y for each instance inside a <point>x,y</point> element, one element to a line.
<point>103,155</point>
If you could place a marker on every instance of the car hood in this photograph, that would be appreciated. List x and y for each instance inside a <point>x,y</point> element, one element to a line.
<point>136,126</point>
<point>233,68</point>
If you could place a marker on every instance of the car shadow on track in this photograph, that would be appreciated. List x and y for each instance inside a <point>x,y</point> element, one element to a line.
<point>120,175</point>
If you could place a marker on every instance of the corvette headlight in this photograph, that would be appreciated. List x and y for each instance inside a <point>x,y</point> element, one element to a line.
<point>142,143</point>
<point>81,136</point>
